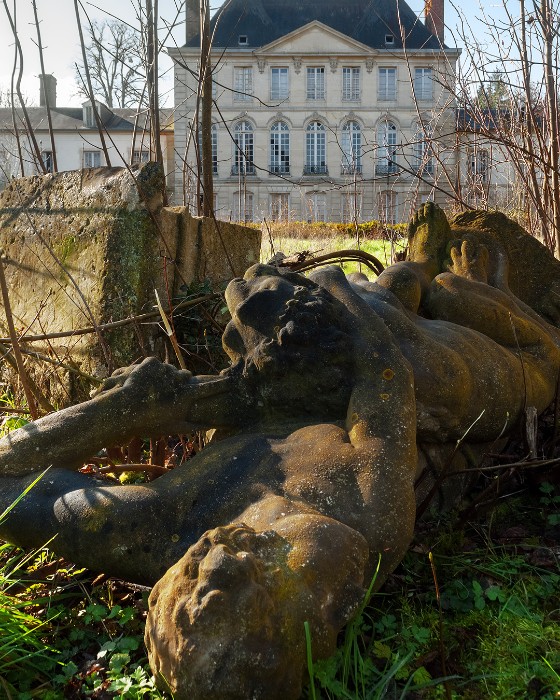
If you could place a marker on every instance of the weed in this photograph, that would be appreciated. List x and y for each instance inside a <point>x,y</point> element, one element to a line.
<point>10,421</point>
<point>550,501</point>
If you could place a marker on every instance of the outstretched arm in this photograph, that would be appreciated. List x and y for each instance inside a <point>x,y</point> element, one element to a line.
<point>147,399</point>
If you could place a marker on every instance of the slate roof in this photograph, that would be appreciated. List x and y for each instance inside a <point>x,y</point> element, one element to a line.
<point>71,118</point>
<point>484,120</point>
<point>367,21</point>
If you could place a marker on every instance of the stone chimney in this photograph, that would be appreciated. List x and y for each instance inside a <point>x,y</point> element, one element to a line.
<point>433,12</point>
<point>192,19</point>
<point>47,90</point>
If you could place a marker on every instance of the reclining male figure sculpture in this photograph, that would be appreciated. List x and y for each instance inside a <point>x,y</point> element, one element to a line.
<point>333,386</point>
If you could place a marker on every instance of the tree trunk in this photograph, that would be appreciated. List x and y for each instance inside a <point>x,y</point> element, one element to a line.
<point>206,116</point>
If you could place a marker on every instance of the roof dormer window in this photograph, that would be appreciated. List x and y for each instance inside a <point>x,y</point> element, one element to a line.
<point>243,40</point>
<point>88,116</point>
<point>389,40</point>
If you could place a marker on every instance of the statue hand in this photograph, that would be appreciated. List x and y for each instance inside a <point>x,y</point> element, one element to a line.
<point>158,398</point>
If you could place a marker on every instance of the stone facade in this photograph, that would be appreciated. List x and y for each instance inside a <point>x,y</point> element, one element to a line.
<point>318,125</point>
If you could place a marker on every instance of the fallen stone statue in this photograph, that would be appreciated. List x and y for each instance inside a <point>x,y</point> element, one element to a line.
<point>342,393</point>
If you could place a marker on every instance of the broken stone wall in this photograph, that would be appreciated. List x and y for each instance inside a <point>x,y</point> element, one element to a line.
<point>85,248</point>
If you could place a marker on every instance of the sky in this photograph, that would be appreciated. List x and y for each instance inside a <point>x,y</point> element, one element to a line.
<point>59,36</point>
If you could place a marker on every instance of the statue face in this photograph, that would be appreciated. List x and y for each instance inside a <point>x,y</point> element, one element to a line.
<point>286,332</point>
<point>258,304</point>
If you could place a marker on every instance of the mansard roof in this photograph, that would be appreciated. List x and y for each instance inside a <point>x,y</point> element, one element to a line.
<point>71,119</point>
<point>366,21</point>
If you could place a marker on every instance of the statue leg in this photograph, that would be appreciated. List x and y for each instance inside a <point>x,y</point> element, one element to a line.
<point>428,237</point>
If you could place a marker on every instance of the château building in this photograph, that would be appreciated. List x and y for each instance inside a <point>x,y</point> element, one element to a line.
<point>323,110</point>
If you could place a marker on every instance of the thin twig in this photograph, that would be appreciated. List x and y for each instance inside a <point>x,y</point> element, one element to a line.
<point>15,345</point>
<point>170,333</point>
<point>188,303</point>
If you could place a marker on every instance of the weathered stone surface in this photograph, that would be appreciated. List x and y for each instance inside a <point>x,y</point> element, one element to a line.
<point>80,248</point>
<point>208,249</point>
<point>88,247</point>
<point>339,395</point>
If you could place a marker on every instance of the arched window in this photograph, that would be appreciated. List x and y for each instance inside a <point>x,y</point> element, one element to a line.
<point>243,149</point>
<point>315,150</point>
<point>280,148</point>
<point>388,207</point>
<point>386,148</point>
<point>316,206</point>
<point>422,149</point>
<point>351,148</point>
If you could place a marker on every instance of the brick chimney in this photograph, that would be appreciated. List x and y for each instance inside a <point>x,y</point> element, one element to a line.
<point>47,90</point>
<point>192,19</point>
<point>433,12</point>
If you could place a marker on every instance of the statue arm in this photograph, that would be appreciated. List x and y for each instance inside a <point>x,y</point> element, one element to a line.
<point>381,426</point>
<point>150,399</point>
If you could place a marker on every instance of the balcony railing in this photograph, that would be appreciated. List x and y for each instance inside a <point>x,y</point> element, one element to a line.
<point>387,167</point>
<point>315,170</point>
<point>282,169</point>
<point>244,169</point>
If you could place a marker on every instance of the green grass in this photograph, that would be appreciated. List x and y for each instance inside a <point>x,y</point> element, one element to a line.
<point>496,635</point>
<point>381,249</point>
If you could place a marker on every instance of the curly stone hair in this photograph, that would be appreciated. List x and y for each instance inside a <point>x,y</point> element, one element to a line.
<point>306,370</point>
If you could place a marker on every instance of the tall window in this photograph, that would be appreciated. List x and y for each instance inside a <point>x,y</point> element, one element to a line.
<point>423,88</point>
<point>316,83</point>
<point>92,159</point>
<point>351,148</point>
<point>388,207</point>
<point>386,149</point>
<point>315,150</point>
<point>280,148</point>
<point>351,206</point>
<point>244,150</point>
<point>88,116</point>
<point>316,206</point>
<point>243,206</point>
<point>387,89</point>
<point>47,157</point>
<point>279,84</point>
<point>422,149</point>
<point>479,165</point>
<point>279,206</point>
<point>243,84</point>
<point>350,83</point>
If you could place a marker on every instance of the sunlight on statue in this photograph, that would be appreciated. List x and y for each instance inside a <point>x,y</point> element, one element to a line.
<point>341,395</point>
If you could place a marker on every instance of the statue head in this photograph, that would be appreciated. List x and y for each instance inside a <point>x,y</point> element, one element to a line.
<point>226,621</point>
<point>286,339</point>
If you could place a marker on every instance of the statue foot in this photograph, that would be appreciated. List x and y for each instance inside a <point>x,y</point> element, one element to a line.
<point>470,259</point>
<point>429,234</point>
